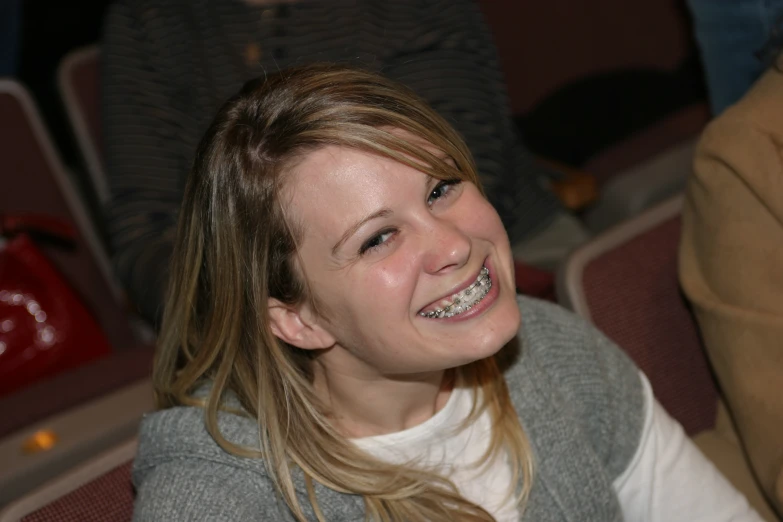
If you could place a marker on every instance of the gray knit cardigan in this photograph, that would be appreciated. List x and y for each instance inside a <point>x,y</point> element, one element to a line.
<point>578,396</point>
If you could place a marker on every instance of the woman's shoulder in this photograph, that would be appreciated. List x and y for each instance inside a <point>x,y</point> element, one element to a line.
<point>177,456</point>
<point>181,432</point>
<point>561,342</point>
<point>566,367</point>
<point>746,137</point>
<point>557,343</point>
<point>757,110</point>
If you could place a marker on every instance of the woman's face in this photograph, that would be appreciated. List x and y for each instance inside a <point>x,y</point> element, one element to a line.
<point>383,245</point>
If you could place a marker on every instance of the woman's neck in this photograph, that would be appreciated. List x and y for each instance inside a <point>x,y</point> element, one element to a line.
<point>365,406</point>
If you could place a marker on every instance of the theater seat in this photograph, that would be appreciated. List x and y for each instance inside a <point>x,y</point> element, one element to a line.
<point>41,185</point>
<point>625,282</point>
<point>99,490</point>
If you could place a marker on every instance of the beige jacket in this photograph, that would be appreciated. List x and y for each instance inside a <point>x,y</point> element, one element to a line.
<point>731,268</point>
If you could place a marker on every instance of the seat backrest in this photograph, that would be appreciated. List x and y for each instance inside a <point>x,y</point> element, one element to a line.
<point>78,78</point>
<point>625,282</point>
<point>545,45</point>
<point>96,491</point>
<point>36,182</point>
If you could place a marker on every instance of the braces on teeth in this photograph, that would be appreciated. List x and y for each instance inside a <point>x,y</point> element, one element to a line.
<point>482,285</point>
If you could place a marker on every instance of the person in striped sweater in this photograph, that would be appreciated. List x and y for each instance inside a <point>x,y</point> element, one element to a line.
<point>169,64</point>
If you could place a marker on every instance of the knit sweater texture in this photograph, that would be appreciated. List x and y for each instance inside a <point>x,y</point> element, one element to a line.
<point>578,396</point>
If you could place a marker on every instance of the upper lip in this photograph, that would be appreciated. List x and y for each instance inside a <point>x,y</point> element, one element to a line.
<point>455,289</point>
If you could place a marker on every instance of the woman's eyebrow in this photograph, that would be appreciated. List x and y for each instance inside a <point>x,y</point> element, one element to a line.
<point>382,213</point>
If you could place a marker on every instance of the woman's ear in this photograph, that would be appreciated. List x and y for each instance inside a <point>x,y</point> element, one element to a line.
<point>298,326</point>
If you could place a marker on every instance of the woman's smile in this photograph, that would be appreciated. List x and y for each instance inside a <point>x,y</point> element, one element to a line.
<point>471,299</point>
<point>462,301</point>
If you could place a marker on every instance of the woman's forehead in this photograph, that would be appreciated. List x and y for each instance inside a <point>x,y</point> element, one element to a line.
<point>336,170</point>
<point>327,157</point>
<point>334,185</point>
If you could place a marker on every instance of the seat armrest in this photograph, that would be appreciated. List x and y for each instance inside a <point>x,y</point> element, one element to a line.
<point>78,434</point>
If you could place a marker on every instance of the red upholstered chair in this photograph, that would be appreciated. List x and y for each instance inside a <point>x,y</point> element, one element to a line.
<point>34,181</point>
<point>97,491</point>
<point>78,78</point>
<point>625,282</point>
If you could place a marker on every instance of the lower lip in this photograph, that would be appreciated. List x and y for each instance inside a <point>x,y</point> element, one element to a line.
<point>480,307</point>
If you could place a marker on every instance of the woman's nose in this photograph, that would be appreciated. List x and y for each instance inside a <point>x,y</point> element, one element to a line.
<point>448,247</point>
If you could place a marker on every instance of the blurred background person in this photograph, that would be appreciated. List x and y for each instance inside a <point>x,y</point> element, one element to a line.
<point>731,268</point>
<point>732,35</point>
<point>169,64</point>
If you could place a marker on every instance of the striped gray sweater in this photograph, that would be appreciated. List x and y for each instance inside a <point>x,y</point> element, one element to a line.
<point>169,64</point>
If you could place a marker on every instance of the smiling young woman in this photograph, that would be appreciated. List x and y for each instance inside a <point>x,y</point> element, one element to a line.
<point>342,341</point>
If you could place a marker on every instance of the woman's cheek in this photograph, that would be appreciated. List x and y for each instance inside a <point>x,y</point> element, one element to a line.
<point>392,277</point>
<point>483,221</point>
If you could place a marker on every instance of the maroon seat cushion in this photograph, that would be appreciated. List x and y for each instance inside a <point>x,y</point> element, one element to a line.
<point>108,497</point>
<point>633,295</point>
<point>534,282</point>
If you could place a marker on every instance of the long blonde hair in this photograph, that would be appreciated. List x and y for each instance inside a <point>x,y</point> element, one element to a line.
<point>234,250</point>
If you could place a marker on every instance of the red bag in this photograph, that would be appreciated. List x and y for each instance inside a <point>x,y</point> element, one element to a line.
<point>44,327</point>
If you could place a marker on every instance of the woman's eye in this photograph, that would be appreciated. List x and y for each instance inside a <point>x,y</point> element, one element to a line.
<point>442,189</point>
<point>376,242</point>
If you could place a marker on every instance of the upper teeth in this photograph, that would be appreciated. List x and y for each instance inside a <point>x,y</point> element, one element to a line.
<point>464,300</point>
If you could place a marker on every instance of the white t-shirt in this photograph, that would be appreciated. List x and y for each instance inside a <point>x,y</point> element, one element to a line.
<point>667,480</point>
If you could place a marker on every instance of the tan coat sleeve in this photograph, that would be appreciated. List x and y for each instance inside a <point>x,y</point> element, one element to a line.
<point>731,268</point>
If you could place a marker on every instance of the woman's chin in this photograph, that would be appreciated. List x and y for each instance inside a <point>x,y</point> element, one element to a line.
<point>498,330</point>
